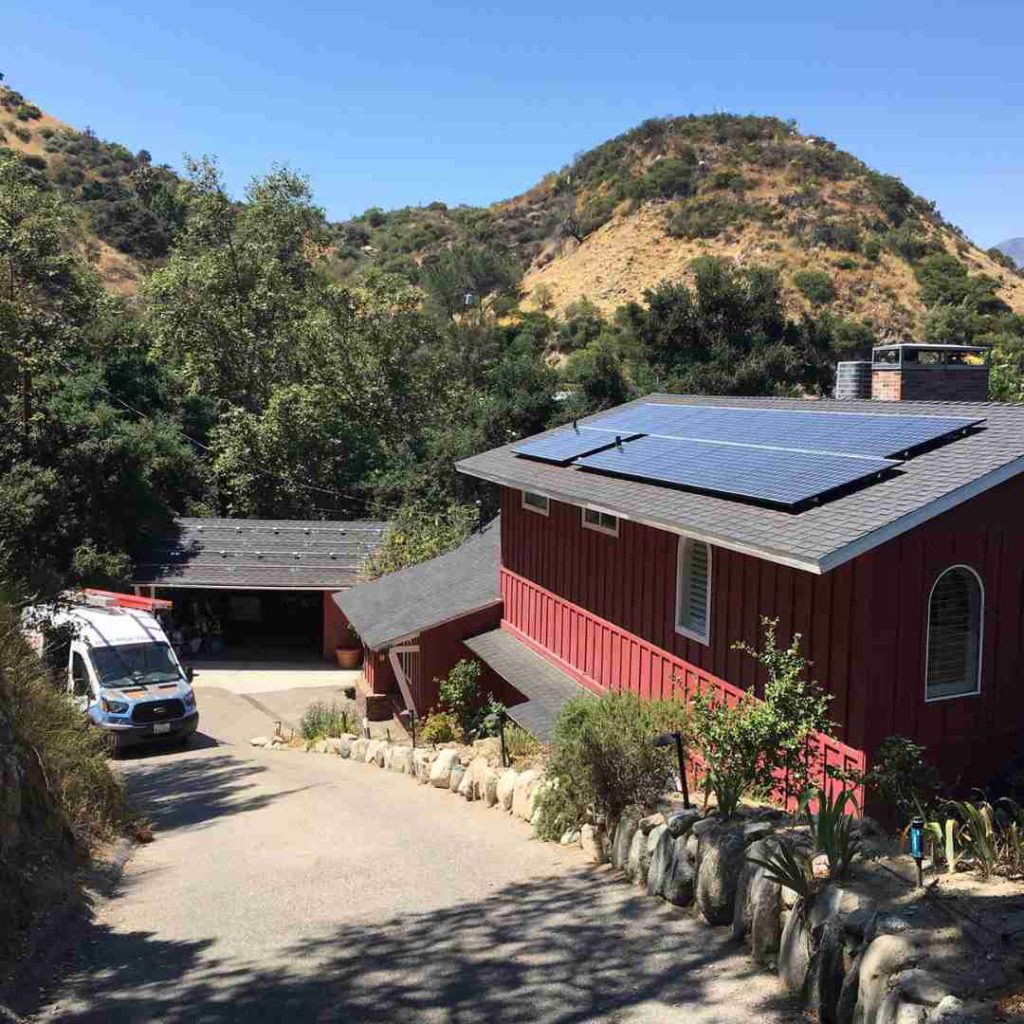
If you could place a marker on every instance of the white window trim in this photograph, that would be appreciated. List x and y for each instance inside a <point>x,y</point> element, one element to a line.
<point>597,527</point>
<point>928,631</point>
<point>704,639</point>
<point>546,510</point>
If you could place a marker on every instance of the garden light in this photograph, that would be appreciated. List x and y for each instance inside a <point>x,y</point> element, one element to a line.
<point>667,739</point>
<point>917,845</point>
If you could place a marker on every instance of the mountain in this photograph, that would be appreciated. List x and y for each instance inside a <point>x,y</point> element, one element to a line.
<point>617,220</point>
<point>1014,248</point>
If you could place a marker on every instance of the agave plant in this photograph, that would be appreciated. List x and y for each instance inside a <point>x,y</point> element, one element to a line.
<point>945,836</point>
<point>832,827</point>
<point>790,868</point>
<point>978,833</point>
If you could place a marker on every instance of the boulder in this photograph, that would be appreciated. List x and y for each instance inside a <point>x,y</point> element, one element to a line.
<point>260,741</point>
<point>372,749</point>
<point>382,755</point>
<point>629,822</point>
<point>570,837</point>
<point>472,785</point>
<point>795,953</point>
<point>720,859</point>
<point>680,823</point>
<point>918,986</point>
<point>949,1011</point>
<point>758,906</point>
<point>911,1013</point>
<point>402,761</point>
<point>422,759</point>
<point>652,821</point>
<point>343,745</point>
<point>441,768</point>
<point>699,827</point>
<point>887,955</point>
<point>692,848</point>
<point>456,776</point>
<point>829,971</point>
<point>590,842</point>
<point>507,788</point>
<point>756,830</point>
<point>846,1008</point>
<point>358,750</point>
<point>678,884</point>
<point>522,805</point>
<point>651,841</point>
<point>661,855</point>
<point>634,860</point>
<point>321,747</point>
<point>491,787</point>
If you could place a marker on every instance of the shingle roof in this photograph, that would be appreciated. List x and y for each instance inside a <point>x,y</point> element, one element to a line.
<point>546,687</point>
<point>260,554</point>
<point>425,595</point>
<point>818,538</point>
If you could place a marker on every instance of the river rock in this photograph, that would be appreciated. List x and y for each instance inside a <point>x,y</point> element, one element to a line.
<point>590,843</point>
<point>661,854</point>
<point>402,761</point>
<point>699,827</point>
<point>422,759</point>
<point>472,785</point>
<point>652,821</point>
<point>629,822</point>
<point>506,788</point>
<point>372,749</point>
<point>343,746</point>
<point>358,751</point>
<point>458,773</point>
<point>846,1008</point>
<point>918,986</point>
<point>720,858</point>
<point>491,787</point>
<point>522,805</point>
<point>635,859</point>
<point>680,823</point>
<point>678,884</point>
<point>795,953</point>
<point>886,955</point>
<point>441,769</point>
<point>829,971</point>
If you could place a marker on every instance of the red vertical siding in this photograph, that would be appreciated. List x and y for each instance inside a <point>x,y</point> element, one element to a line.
<point>862,625</point>
<point>335,626</point>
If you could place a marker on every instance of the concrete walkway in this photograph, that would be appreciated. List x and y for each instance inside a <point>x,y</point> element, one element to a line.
<point>286,886</point>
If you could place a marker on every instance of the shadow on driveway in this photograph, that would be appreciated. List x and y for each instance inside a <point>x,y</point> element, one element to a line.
<point>564,949</point>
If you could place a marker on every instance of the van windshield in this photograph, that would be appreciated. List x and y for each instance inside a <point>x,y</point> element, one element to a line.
<point>131,664</point>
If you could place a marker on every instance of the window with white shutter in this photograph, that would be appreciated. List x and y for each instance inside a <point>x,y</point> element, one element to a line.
<point>955,610</point>
<point>693,589</point>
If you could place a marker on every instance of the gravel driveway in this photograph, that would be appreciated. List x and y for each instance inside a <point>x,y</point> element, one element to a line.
<point>284,886</point>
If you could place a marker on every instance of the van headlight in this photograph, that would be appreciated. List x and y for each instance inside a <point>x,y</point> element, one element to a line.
<point>190,699</point>
<point>113,707</point>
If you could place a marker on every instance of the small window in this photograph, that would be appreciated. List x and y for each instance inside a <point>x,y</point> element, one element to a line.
<point>79,676</point>
<point>955,610</point>
<point>600,521</point>
<point>693,589</point>
<point>535,502</point>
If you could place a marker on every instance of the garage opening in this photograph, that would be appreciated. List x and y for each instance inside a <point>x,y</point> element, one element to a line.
<point>237,625</point>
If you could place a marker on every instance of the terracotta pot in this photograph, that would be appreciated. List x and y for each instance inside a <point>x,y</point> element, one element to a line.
<point>348,657</point>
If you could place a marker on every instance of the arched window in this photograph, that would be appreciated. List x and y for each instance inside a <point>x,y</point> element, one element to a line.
<point>955,610</point>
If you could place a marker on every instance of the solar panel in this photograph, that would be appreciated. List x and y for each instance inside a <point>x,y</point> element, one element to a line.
<point>778,476</point>
<point>878,434</point>
<point>565,445</point>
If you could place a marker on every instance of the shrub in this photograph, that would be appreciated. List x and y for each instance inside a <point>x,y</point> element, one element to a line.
<point>27,112</point>
<point>321,719</point>
<point>602,760</point>
<point>872,248</point>
<point>439,727</point>
<point>832,828</point>
<point>460,693</point>
<point>37,163</point>
<point>520,746</point>
<point>667,178</point>
<point>816,286</point>
<point>902,778</point>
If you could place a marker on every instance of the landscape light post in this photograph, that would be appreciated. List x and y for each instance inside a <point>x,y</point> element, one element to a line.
<point>668,739</point>
<point>501,734</point>
<point>917,846</point>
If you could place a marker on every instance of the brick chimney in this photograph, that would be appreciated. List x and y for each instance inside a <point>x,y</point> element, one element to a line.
<point>908,372</point>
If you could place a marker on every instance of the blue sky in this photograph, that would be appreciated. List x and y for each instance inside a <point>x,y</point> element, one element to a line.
<point>396,103</point>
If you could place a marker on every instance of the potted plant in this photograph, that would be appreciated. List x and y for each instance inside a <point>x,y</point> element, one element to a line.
<point>349,653</point>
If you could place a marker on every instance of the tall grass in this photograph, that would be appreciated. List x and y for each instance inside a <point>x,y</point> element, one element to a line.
<point>322,719</point>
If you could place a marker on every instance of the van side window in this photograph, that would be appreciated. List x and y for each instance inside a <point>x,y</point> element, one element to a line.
<point>80,675</point>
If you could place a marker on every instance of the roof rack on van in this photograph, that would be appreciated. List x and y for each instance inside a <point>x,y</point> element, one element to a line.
<point>111,599</point>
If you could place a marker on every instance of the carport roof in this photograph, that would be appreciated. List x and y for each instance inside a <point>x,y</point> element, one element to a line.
<point>546,687</point>
<point>411,600</point>
<point>260,554</point>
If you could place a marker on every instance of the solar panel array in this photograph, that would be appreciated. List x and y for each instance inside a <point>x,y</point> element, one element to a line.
<point>773,475</point>
<point>781,457</point>
<point>567,444</point>
<point>881,435</point>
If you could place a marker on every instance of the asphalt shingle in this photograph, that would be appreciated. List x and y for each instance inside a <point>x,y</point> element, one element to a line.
<point>425,595</point>
<point>816,538</point>
<point>260,554</point>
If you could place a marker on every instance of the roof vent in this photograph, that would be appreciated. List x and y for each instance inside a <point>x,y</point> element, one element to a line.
<point>223,554</point>
<point>296,554</point>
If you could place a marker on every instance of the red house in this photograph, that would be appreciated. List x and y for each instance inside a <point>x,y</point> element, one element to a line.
<point>640,544</point>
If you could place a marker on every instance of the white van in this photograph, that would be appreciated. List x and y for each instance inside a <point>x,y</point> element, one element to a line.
<point>122,670</point>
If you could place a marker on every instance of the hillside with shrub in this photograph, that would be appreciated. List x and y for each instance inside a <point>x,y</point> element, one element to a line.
<point>615,222</point>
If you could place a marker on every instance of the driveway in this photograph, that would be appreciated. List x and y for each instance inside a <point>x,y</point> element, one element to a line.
<point>286,886</point>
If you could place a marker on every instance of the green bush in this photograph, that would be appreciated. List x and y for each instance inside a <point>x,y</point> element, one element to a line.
<point>27,112</point>
<point>816,286</point>
<point>460,693</point>
<point>602,759</point>
<point>439,727</point>
<point>321,719</point>
<point>902,778</point>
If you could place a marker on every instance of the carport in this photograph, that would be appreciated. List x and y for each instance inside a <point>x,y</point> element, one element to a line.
<point>258,588</point>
